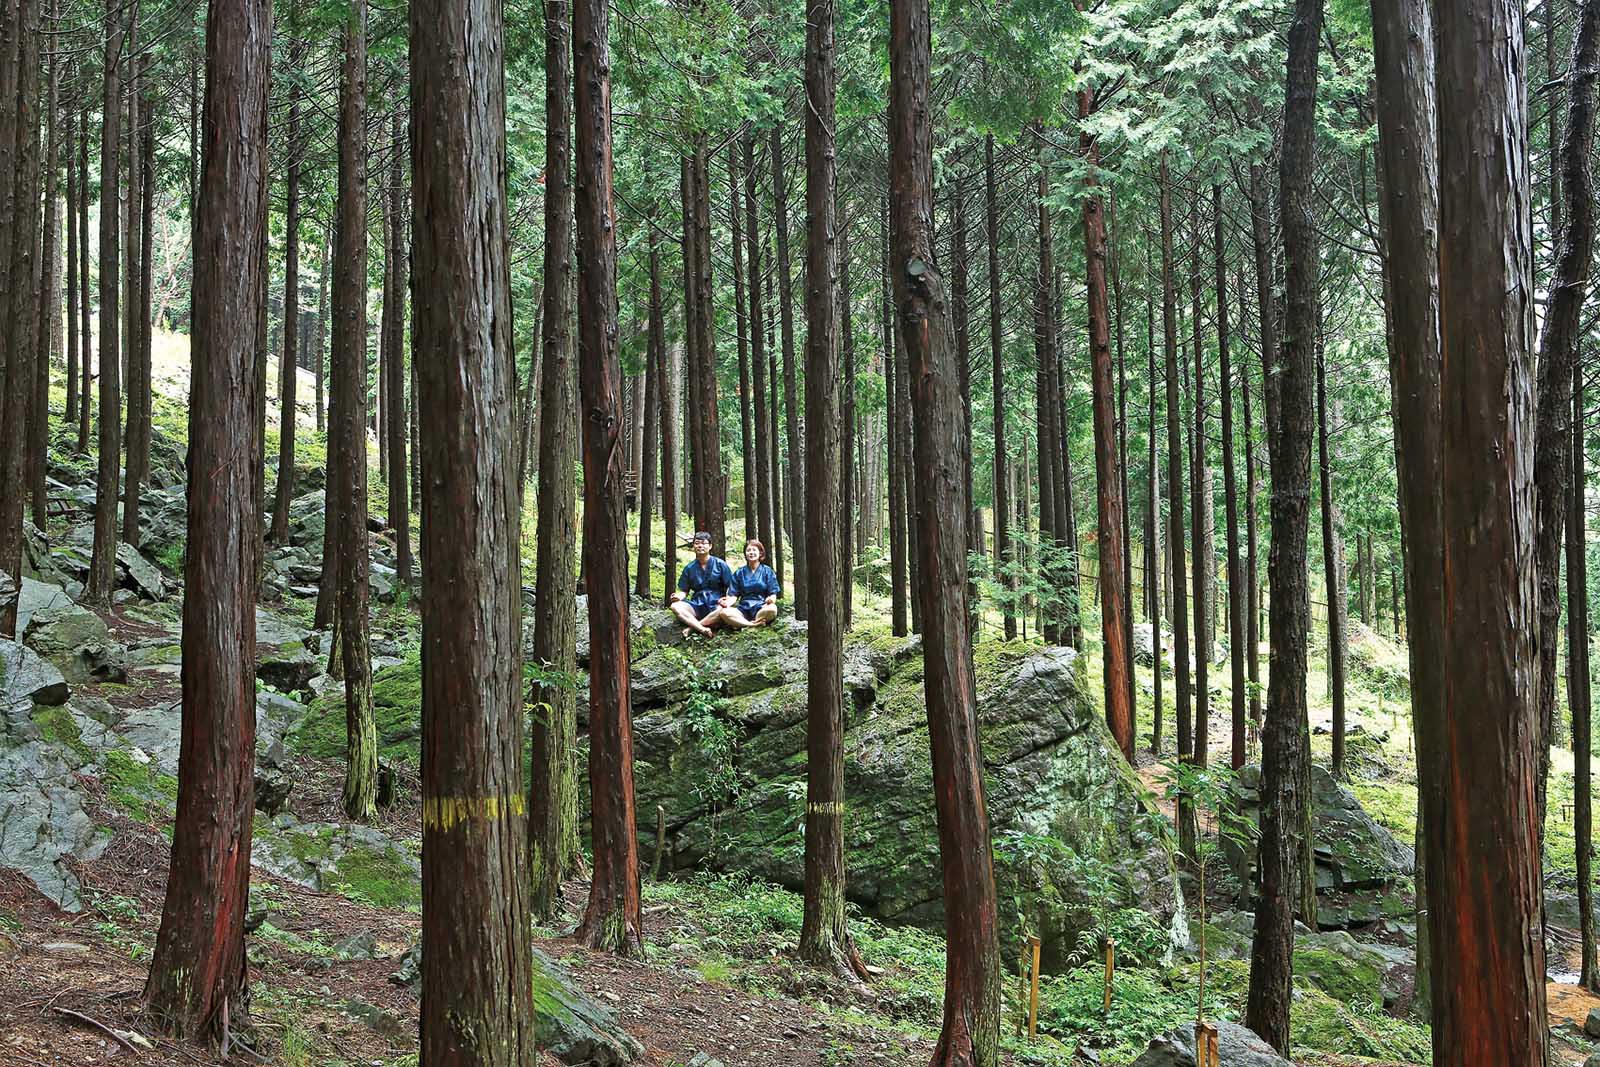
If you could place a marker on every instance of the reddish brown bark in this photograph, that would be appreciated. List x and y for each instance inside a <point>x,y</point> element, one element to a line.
<point>1285,744</point>
<point>1488,944</point>
<point>970,1034</point>
<point>1116,653</point>
<point>477,982</point>
<point>1236,577</point>
<point>824,936</point>
<point>1002,501</point>
<point>794,432</point>
<point>392,432</point>
<point>197,986</point>
<point>553,783</point>
<point>288,367</point>
<point>347,480</point>
<point>103,563</point>
<point>612,921</point>
<point>758,354</point>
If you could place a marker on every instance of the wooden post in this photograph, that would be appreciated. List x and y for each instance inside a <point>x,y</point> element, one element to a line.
<point>1033,989</point>
<point>661,841</point>
<point>1111,969</point>
<point>1205,1045</point>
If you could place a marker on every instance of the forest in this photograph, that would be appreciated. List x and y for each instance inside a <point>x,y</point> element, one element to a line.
<point>719,533</point>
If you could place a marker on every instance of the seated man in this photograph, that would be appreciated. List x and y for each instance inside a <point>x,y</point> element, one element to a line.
<point>756,590</point>
<point>703,588</point>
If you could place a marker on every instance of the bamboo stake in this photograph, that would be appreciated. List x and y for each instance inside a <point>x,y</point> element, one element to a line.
<point>1033,991</point>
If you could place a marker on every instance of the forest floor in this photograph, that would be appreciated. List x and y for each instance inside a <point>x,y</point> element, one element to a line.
<point>719,978</point>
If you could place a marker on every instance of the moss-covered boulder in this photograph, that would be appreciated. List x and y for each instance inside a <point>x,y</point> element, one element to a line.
<point>723,750</point>
<point>1362,871</point>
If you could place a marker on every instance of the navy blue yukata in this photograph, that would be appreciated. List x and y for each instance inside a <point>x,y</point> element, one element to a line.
<point>706,585</point>
<point>753,587</point>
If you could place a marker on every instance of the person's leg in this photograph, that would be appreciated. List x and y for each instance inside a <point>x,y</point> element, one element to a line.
<point>767,613</point>
<point>685,614</point>
<point>735,619</point>
<point>712,618</point>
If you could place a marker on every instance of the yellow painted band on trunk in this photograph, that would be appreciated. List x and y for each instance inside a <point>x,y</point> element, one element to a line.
<point>444,813</point>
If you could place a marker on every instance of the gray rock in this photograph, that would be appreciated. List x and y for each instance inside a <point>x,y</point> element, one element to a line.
<point>1236,1047</point>
<point>704,1059</point>
<point>385,1024</point>
<point>1144,645</point>
<point>274,780</point>
<point>25,678</point>
<point>320,856</point>
<point>42,822</point>
<point>37,596</point>
<point>572,1026</point>
<point>1592,1061</point>
<point>77,641</point>
<point>288,668</point>
<point>1591,1025</point>
<point>1360,865</point>
<point>156,731</point>
<point>142,575</point>
<point>361,945</point>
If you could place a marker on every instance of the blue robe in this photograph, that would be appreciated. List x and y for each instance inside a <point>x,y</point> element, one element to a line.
<point>753,587</point>
<point>705,585</point>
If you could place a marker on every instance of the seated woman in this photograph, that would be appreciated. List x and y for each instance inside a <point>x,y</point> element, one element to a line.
<point>755,589</point>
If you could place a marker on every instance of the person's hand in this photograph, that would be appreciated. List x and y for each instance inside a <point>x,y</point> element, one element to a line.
<point>727,602</point>
<point>677,595</point>
<point>772,598</point>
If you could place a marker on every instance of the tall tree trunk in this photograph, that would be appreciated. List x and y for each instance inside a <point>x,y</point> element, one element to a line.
<point>1230,491</point>
<point>961,321</point>
<point>1558,355</point>
<point>1116,653</point>
<point>348,476</point>
<point>48,303</point>
<point>612,920</point>
<point>85,409</point>
<point>742,328</point>
<point>288,369</point>
<point>847,429</point>
<point>899,608</point>
<point>1409,212</point>
<point>477,981</point>
<point>553,785</point>
<point>10,66</point>
<point>70,281</point>
<point>758,354</point>
<point>319,362</point>
<point>824,937</point>
<point>1200,509</point>
<point>1044,408</point>
<point>1285,741</point>
<point>19,322</point>
<point>1153,569</point>
<point>655,345</point>
<point>1003,555</point>
<point>1126,533</point>
<point>198,983</point>
<point>796,491</point>
<point>710,505</point>
<point>103,563</point>
<point>970,1034</point>
<point>1578,689</point>
<point>1266,312</point>
<point>394,317</point>
<point>1332,569</point>
<point>1488,944</point>
<point>136,386</point>
<point>1175,553</point>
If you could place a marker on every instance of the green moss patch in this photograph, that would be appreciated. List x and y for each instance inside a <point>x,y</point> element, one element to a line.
<point>383,879</point>
<point>396,710</point>
<point>57,724</point>
<point>138,788</point>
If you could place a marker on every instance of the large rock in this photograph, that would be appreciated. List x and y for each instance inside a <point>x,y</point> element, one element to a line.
<point>139,573</point>
<point>571,1025</point>
<point>1236,1047</point>
<point>1360,865</point>
<point>720,744</point>
<point>77,641</point>
<point>26,679</point>
<point>36,597</point>
<point>43,826</point>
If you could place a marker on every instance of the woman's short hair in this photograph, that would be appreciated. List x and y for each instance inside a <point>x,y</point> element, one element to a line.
<point>759,546</point>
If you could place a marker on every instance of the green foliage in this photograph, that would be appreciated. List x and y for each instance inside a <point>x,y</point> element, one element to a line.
<point>713,734</point>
